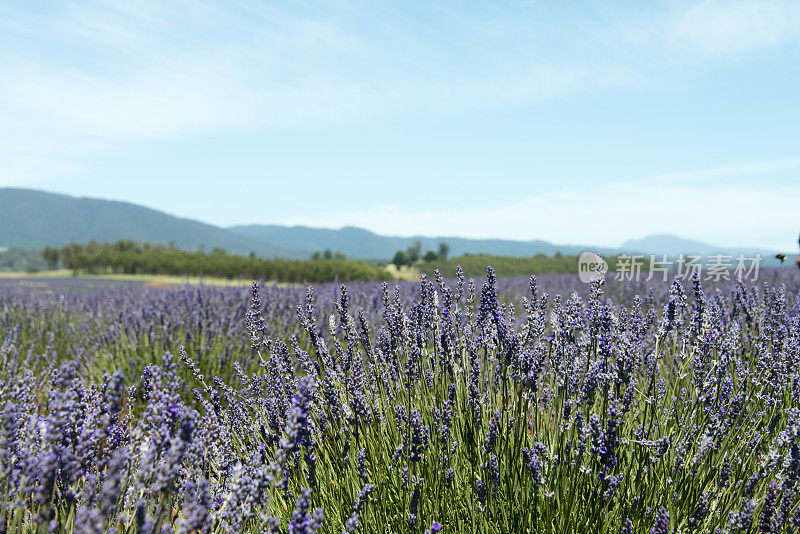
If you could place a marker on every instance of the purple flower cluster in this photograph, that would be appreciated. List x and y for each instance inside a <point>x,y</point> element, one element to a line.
<point>507,405</point>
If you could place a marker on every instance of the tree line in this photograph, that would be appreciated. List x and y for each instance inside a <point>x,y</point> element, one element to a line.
<point>130,257</point>
<point>413,254</point>
<point>474,265</point>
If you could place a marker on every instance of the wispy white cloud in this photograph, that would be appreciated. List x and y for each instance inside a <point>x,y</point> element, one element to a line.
<point>734,170</point>
<point>147,70</point>
<point>150,71</point>
<point>113,75</point>
<point>731,26</point>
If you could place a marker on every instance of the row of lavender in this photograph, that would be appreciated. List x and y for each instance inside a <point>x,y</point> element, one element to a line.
<point>492,406</point>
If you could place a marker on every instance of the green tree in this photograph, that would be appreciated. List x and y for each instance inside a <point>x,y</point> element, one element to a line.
<point>430,256</point>
<point>400,258</point>
<point>413,252</point>
<point>51,256</point>
<point>128,257</point>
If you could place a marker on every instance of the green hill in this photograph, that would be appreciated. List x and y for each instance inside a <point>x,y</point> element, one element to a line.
<point>34,219</point>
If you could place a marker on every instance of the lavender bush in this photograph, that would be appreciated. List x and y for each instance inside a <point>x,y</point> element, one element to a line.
<point>444,406</point>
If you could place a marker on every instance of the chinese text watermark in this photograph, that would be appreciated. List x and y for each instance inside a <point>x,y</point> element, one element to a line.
<point>591,267</point>
<point>715,267</point>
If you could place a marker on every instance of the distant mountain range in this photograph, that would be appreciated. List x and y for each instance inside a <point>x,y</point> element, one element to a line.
<point>674,246</point>
<point>34,219</point>
<point>361,243</point>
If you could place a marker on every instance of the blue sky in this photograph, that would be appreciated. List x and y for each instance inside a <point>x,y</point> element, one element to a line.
<point>587,122</point>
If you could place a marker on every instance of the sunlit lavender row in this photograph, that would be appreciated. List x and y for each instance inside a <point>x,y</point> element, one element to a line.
<point>492,405</point>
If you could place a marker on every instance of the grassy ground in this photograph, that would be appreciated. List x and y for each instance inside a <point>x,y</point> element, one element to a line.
<point>145,279</point>
<point>409,274</point>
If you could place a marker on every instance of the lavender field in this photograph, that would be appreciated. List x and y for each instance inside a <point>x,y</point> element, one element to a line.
<point>494,405</point>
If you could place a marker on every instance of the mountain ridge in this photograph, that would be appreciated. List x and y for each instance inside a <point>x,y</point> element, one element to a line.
<point>59,219</point>
<point>62,219</point>
<point>363,243</point>
<point>673,245</point>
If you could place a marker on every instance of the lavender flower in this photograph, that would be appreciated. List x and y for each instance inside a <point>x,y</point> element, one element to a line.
<point>303,521</point>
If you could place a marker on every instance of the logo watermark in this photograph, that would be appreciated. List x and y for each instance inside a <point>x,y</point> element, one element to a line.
<point>591,267</point>
<point>715,267</point>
